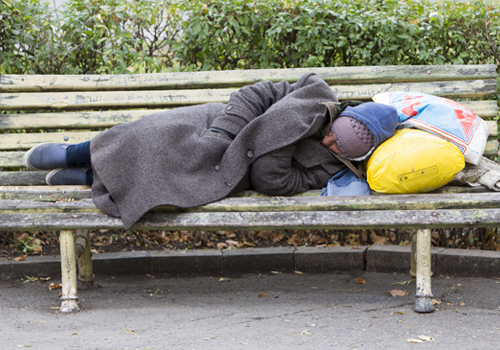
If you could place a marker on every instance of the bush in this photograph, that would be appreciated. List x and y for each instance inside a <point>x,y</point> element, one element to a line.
<point>226,34</point>
<point>119,36</point>
<point>87,37</point>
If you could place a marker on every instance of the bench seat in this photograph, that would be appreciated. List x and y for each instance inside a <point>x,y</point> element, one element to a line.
<point>74,109</point>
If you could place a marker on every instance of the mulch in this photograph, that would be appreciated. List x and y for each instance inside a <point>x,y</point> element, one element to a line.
<point>19,244</point>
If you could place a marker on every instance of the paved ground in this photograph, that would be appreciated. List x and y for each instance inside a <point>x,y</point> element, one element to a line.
<point>252,311</point>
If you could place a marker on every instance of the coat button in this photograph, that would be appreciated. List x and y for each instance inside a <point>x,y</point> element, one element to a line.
<point>229,107</point>
<point>227,183</point>
<point>217,167</point>
<point>250,154</point>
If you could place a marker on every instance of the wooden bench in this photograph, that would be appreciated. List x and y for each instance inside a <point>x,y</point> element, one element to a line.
<point>75,108</point>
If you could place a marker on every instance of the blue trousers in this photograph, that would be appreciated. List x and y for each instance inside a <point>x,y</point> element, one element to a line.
<point>79,156</point>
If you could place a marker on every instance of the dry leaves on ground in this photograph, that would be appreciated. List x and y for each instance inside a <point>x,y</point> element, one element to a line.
<point>420,339</point>
<point>399,292</point>
<point>53,286</point>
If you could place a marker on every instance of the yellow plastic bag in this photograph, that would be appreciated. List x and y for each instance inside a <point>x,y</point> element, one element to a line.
<point>413,161</point>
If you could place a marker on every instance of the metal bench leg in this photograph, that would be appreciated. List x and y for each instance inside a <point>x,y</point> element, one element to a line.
<point>424,294</point>
<point>413,268</point>
<point>68,272</point>
<point>84,257</point>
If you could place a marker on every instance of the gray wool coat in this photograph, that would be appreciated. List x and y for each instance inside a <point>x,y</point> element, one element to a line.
<point>172,158</point>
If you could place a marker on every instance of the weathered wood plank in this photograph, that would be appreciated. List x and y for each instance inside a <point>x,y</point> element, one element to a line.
<point>491,148</point>
<point>338,220</point>
<point>216,79</point>
<point>281,204</point>
<point>484,109</point>
<point>45,193</point>
<point>22,178</point>
<point>492,128</point>
<point>26,141</point>
<point>173,98</point>
<point>72,120</point>
<point>58,193</point>
<point>103,119</point>
<point>11,159</point>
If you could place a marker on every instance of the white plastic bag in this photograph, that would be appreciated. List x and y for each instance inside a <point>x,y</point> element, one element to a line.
<point>442,117</point>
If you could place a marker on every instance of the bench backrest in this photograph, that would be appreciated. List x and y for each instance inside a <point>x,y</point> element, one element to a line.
<point>74,108</point>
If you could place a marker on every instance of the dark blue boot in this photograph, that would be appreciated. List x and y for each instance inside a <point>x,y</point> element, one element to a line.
<point>70,176</point>
<point>46,156</point>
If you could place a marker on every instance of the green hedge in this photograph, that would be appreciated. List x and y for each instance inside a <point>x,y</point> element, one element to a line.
<point>121,36</point>
<point>263,34</point>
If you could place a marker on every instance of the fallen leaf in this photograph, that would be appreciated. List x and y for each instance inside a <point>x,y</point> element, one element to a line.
<point>398,292</point>
<point>462,303</point>
<point>231,242</point>
<point>276,272</point>
<point>221,245</point>
<point>436,302</point>
<point>21,257</point>
<point>44,279</point>
<point>378,239</point>
<point>426,338</point>
<point>298,272</point>
<point>399,313</point>
<point>314,287</point>
<point>79,333</point>
<point>261,296</point>
<point>403,282</point>
<point>131,332</point>
<point>360,281</point>
<point>413,340</point>
<point>224,279</point>
<point>29,279</point>
<point>150,276</point>
<point>53,286</point>
<point>306,332</point>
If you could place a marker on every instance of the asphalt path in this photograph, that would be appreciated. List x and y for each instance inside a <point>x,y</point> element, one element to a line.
<point>252,311</point>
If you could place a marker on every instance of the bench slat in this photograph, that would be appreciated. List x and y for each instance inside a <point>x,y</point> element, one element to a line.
<point>173,98</point>
<point>48,195</point>
<point>217,79</point>
<point>74,193</point>
<point>26,141</point>
<point>22,178</point>
<point>297,203</point>
<point>77,120</point>
<point>340,220</point>
<point>103,119</point>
